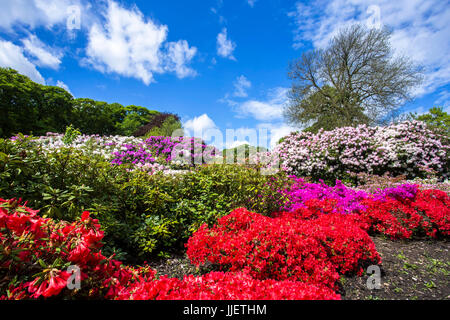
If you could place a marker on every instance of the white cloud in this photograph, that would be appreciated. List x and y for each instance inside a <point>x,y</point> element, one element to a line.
<point>133,46</point>
<point>241,85</point>
<point>269,109</point>
<point>199,125</point>
<point>236,143</point>
<point>45,56</point>
<point>277,131</point>
<point>444,99</point>
<point>12,56</point>
<point>178,54</point>
<point>225,47</point>
<point>34,13</point>
<point>64,86</point>
<point>420,30</point>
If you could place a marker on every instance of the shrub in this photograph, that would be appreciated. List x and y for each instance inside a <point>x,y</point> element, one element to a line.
<point>225,286</point>
<point>426,213</point>
<point>285,247</point>
<point>141,214</point>
<point>407,148</point>
<point>36,253</point>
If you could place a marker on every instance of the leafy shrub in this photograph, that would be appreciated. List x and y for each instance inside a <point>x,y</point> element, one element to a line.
<point>141,214</point>
<point>70,135</point>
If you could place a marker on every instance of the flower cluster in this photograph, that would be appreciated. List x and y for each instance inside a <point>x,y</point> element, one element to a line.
<point>426,213</point>
<point>36,253</point>
<point>347,199</point>
<point>406,148</point>
<point>183,149</point>
<point>285,247</point>
<point>225,286</point>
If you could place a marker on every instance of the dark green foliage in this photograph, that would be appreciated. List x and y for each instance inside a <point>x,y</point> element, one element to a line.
<point>437,120</point>
<point>31,108</point>
<point>140,214</point>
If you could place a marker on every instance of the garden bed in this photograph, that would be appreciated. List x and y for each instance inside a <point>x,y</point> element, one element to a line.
<point>411,269</point>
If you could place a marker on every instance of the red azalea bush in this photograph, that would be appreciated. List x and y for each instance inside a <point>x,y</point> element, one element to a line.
<point>35,253</point>
<point>225,286</point>
<point>285,247</point>
<point>428,213</point>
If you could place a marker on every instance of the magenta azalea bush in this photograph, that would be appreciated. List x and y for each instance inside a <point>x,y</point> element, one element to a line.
<point>347,200</point>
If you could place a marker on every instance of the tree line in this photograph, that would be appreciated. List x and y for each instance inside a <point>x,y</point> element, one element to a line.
<point>32,108</point>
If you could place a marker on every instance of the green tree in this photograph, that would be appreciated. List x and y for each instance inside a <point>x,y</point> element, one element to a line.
<point>437,120</point>
<point>135,118</point>
<point>29,107</point>
<point>355,80</point>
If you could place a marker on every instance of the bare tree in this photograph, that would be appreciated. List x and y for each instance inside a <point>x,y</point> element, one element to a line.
<point>356,79</point>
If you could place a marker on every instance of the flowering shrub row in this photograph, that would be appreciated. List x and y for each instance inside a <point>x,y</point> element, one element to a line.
<point>406,148</point>
<point>427,213</point>
<point>179,149</point>
<point>152,155</point>
<point>36,253</point>
<point>399,212</point>
<point>225,286</point>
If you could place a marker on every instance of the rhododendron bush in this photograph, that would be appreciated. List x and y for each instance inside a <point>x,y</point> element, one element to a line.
<point>407,148</point>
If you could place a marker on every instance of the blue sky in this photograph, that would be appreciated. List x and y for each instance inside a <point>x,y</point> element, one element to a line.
<point>218,64</point>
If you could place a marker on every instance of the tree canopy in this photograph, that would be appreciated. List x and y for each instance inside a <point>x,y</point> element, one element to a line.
<point>357,79</point>
<point>32,108</point>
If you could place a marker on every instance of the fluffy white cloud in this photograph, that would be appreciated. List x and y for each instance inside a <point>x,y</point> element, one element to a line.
<point>269,109</point>
<point>45,56</point>
<point>178,54</point>
<point>235,144</point>
<point>420,29</point>
<point>13,56</point>
<point>34,13</point>
<point>131,45</point>
<point>241,85</point>
<point>277,131</point>
<point>443,100</point>
<point>198,126</point>
<point>225,46</point>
